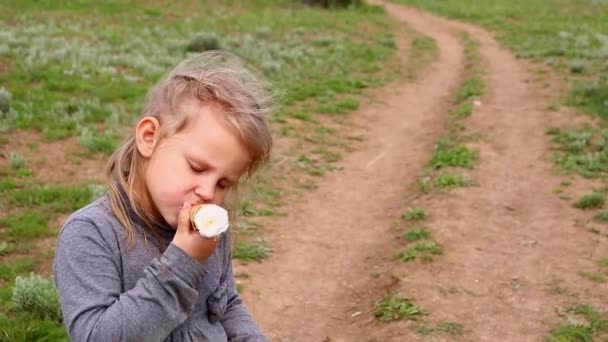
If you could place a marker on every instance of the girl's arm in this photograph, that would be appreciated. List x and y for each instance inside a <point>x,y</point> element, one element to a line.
<point>238,323</point>
<point>88,275</point>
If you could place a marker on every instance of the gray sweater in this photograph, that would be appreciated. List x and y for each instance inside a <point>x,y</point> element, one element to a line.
<point>111,291</point>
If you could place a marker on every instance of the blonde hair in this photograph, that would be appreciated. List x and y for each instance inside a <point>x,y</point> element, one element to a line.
<point>207,77</point>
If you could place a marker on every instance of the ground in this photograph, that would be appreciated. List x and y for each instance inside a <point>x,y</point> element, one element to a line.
<point>505,242</point>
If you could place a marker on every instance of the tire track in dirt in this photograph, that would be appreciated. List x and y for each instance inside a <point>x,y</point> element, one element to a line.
<point>507,239</point>
<point>328,245</point>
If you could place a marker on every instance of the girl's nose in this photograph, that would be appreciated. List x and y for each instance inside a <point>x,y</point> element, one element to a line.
<point>206,192</point>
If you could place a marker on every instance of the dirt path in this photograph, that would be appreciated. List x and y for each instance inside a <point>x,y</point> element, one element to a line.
<point>504,241</point>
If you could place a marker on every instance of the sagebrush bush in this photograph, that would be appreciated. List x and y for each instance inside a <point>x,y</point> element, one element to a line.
<point>5,101</point>
<point>204,42</point>
<point>38,296</point>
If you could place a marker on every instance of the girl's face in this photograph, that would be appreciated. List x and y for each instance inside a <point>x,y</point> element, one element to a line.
<point>200,164</point>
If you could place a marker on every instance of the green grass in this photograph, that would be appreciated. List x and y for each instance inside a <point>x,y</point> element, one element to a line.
<point>17,266</point>
<point>448,153</point>
<point>397,307</point>
<point>423,250</point>
<point>583,150</point>
<point>450,180</point>
<point>567,35</point>
<point>26,225</point>
<point>414,214</point>
<point>417,234</point>
<point>252,251</point>
<point>594,200</point>
<point>593,276</point>
<point>584,324</point>
<point>57,198</point>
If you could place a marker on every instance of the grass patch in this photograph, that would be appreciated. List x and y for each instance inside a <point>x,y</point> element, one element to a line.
<point>584,323</point>
<point>421,250</point>
<point>449,154</point>
<point>418,234</point>
<point>414,214</point>
<point>27,225</point>
<point>595,200</point>
<point>450,180</point>
<point>593,276</point>
<point>58,198</point>
<point>252,251</point>
<point>17,266</point>
<point>397,307</point>
<point>581,150</point>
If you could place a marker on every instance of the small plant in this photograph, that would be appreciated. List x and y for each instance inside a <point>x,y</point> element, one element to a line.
<point>448,155</point>
<point>602,216</point>
<point>594,200</point>
<point>452,328</point>
<point>27,225</point>
<point>414,214</point>
<point>16,160</point>
<point>577,66</point>
<point>397,307</point>
<point>204,42</point>
<point>415,235</point>
<point>252,251</point>
<point>426,250</point>
<point>5,101</point>
<point>584,323</point>
<point>449,180</point>
<point>38,296</point>
<point>593,276</point>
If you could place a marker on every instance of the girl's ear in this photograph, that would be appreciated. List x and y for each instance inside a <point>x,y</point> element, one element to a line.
<point>147,135</point>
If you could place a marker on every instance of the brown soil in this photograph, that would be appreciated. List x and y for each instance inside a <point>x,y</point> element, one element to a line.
<point>505,242</point>
<point>53,159</point>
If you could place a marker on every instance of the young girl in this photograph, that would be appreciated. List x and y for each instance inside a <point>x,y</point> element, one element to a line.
<point>129,266</point>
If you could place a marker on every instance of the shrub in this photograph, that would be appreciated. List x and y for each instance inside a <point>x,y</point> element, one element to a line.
<point>38,296</point>
<point>204,42</point>
<point>5,101</point>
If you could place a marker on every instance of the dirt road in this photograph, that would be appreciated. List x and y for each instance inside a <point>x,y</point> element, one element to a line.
<point>505,241</point>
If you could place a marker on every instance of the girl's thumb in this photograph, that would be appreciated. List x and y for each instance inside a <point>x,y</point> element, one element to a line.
<point>183,218</point>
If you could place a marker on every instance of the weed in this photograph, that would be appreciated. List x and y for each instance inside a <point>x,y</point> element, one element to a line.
<point>583,324</point>
<point>603,262</point>
<point>446,154</point>
<point>16,161</point>
<point>5,100</point>
<point>54,197</point>
<point>594,200</point>
<point>425,250</point>
<point>449,180</point>
<point>255,251</point>
<point>37,296</point>
<point>601,216</point>
<point>30,224</point>
<point>452,328</point>
<point>472,87</point>
<point>203,42</point>
<point>464,110</point>
<point>414,214</point>
<point>7,184</point>
<point>397,307</point>
<point>593,276</point>
<point>18,266</point>
<point>6,248</point>
<point>418,234</point>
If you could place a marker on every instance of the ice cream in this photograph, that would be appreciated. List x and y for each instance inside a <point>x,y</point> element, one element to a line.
<point>209,220</point>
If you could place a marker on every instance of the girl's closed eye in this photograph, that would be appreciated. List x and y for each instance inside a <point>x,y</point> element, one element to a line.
<point>196,168</point>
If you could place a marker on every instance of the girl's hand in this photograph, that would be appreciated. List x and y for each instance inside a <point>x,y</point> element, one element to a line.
<point>188,239</point>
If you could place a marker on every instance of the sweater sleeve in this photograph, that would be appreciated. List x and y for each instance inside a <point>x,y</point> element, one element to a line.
<point>87,272</point>
<point>237,322</point>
